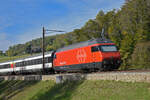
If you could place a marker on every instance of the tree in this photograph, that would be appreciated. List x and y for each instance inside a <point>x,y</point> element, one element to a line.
<point>49,48</point>
<point>1,53</point>
<point>28,49</point>
<point>140,56</point>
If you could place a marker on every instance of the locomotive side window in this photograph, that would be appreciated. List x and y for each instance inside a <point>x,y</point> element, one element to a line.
<point>94,49</point>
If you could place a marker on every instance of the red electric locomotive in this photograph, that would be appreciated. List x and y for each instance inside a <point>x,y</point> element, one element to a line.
<point>95,54</point>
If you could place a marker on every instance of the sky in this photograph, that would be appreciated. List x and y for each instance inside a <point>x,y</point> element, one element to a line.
<point>22,20</point>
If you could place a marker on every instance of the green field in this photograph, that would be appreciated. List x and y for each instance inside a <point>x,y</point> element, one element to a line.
<point>6,58</point>
<point>76,90</point>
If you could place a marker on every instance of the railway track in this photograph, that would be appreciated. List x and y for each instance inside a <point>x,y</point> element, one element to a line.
<point>118,75</point>
<point>93,72</point>
<point>128,71</point>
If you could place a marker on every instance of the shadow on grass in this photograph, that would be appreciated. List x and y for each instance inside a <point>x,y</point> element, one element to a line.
<point>9,89</point>
<point>61,91</point>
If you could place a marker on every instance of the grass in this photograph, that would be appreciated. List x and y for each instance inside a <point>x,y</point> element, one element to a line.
<point>76,90</point>
<point>6,58</point>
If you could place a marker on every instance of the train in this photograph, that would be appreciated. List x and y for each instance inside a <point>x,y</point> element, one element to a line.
<point>92,55</point>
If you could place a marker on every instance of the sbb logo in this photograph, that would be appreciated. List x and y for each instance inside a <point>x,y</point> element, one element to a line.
<point>81,56</point>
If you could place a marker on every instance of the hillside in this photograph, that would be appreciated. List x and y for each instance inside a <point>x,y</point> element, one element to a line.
<point>78,90</point>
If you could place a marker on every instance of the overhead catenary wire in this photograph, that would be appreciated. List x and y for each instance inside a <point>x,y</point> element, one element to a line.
<point>43,42</point>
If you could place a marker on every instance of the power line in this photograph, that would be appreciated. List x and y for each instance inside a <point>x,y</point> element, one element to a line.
<point>43,43</point>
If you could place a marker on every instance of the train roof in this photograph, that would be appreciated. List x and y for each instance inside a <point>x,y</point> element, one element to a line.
<point>85,43</point>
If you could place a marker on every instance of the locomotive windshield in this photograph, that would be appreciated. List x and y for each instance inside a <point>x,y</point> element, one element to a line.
<point>104,48</point>
<point>108,48</point>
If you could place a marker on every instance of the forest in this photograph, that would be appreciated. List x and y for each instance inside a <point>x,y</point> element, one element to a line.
<point>128,27</point>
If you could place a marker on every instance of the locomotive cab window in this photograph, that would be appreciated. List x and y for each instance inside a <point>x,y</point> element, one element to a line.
<point>95,49</point>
